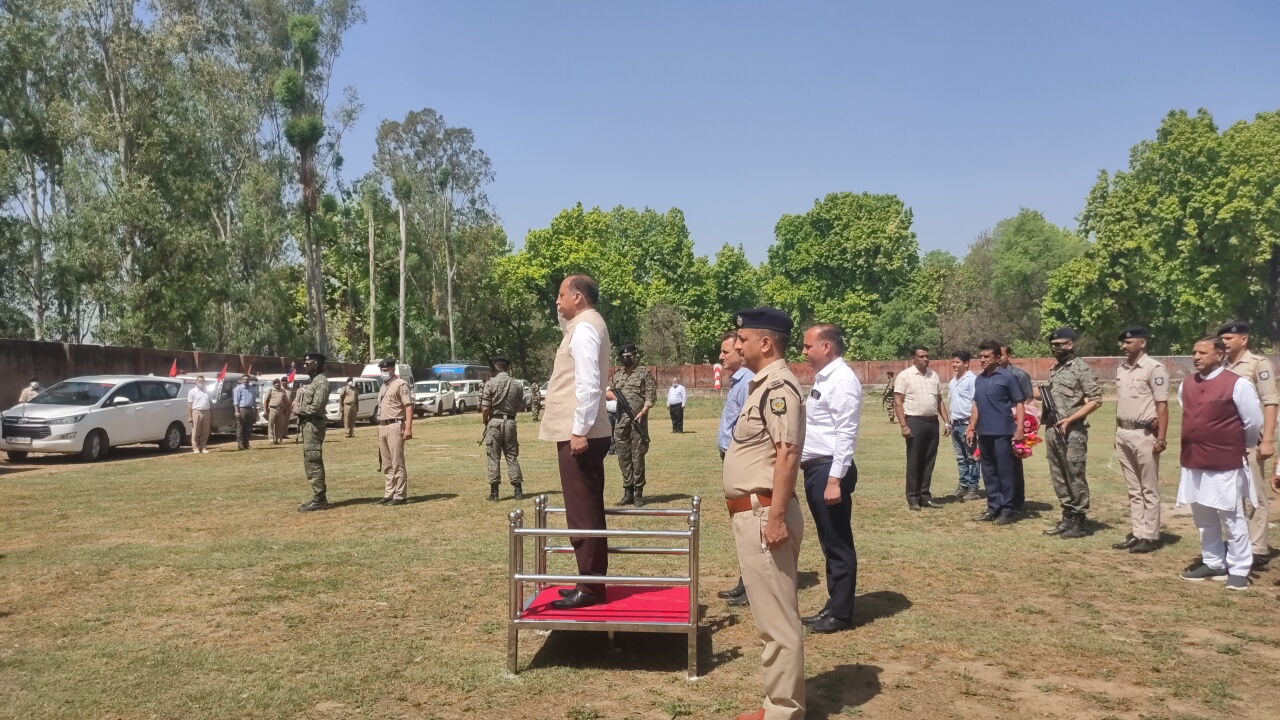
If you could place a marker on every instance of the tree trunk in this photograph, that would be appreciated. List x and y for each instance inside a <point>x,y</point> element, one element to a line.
<point>1273,297</point>
<point>448,281</point>
<point>373,307</point>
<point>403,243</point>
<point>37,248</point>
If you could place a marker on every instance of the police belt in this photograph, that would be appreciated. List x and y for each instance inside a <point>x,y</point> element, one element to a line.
<point>743,504</point>
<point>392,421</point>
<point>500,416</point>
<point>1135,424</point>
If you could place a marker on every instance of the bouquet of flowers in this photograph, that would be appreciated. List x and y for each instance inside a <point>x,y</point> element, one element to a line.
<point>1030,425</point>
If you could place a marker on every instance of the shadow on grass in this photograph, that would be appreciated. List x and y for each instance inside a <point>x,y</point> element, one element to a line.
<point>806,579</point>
<point>1032,506</point>
<point>839,689</point>
<point>879,604</point>
<point>656,652</point>
<point>666,498</point>
<point>371,500</point>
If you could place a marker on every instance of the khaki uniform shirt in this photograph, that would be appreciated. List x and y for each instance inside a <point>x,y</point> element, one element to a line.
<point>920,393</point>
<point>637,387</point>
<point>275,399</point>
<point>27,394</point>
<point>501,395</point>
<point>348,396</point>
<point>1257,370</point>
<point>1139,387</point>
<point>1072,384</point>
<point>393,400</point>
<point>752,454</point>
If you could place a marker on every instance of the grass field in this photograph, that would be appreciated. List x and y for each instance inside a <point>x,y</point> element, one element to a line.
<point>188,586</point>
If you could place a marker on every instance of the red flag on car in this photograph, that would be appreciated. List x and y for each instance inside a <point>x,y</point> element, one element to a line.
<point>173,371</point>
<point>292,372</point>
<point>222,375</point>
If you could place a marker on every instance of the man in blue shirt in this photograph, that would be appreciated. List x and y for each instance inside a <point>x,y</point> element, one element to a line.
<point>960,400</point>
<point>731,361</point>
<point>245,400</point>
<point>997,423</point>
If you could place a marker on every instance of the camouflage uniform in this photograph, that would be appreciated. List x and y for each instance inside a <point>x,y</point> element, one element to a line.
<point>637,386</point>
<point>311,418</point>
<point>535,401</point>
<point>504,398</point>
<point>1071,385</point>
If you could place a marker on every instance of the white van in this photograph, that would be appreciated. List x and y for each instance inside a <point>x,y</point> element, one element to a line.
<point>403,371</point>
<point>366,388</point>
<point>466,394</point>
<point>90,415</point>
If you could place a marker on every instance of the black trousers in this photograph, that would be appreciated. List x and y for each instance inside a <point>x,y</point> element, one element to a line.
<point>244,426</point>
<point>677,417</point>
<point>835,535</point>
<point>922,451</point>
<point>997,471</point>
<point>582,483</point>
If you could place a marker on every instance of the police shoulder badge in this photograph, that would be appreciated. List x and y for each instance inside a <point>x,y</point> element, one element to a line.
<point>778,405</point>
<point>1159,381</point>
<point>1264,375</point>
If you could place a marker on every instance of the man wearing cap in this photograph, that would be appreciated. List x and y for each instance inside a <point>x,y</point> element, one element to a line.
<point>1258,371</point>
<point>639,388</point>
<point>349,405</point>
<point>31,390</point>
<point>1075,393</point>
<point>500,400</point>
<point>395,425</point>
<point>575,419</point>
<point>1142,419</point>
<point>309,409</point>
<point>760,486</point>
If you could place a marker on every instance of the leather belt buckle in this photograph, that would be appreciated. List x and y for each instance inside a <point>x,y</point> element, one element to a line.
<point>743,504</point>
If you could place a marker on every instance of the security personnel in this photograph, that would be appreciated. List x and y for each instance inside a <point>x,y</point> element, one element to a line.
<point>500,400</point>
<point>637,385</point>
<point>276,405</point>
<point>30,391</point>
<point>309,409</point>
<point>535,400</point>
<point>349,402</point>
<point>1075,393</point>
<point>760,471</point>
<point>1257,370</point>
<point>1142,419</point>
<point>395,421</point>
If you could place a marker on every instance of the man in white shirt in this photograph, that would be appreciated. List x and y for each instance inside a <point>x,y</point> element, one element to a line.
<point>1221,422</point>
<point>575,419</point>
<point>675,405</point>
<point>832,413</point>
<point>199,405</point>
<point>960,400</point>
<point>917,397</point>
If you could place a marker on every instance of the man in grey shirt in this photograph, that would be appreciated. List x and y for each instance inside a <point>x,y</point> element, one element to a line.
<point>1024,382</point>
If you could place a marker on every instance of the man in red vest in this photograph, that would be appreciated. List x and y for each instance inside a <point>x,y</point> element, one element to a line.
<point>1221,422</point>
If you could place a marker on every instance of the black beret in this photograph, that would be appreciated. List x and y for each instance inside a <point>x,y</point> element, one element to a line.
<point>318,357</point>
<point>763,318</point>
<point>1235,327</point>
<point>628,348</point>
<point>1062,333</point>
<point>500,359</point>
<point>389,362</point>
<point>1137,331</point>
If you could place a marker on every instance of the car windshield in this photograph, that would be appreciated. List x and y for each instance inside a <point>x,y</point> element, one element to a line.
<point>427,387</point>
<point>73,392</point>
<point>335,386</point>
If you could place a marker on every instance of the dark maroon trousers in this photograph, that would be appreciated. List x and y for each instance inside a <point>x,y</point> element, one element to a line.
<point>582,483</point>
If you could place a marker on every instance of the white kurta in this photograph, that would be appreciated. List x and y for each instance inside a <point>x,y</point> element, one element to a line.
<point>1224,489</point>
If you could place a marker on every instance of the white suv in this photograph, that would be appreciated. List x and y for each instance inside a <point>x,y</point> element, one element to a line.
<point>433,397</point>
<point>90,415</point>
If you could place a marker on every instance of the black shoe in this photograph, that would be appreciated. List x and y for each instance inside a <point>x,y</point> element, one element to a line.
<point>397,501</point>
<point>1125,544</point>
<point>1075,529</point>
<point>740,601</point>
<point>737,591</point>
<point>960,492</point>
<point>815,617</point>
<point>913,507</point>
<point>519,492</point>
<point>987,516</point>
<point>1142,547</point>
<point>1260,561</point>
<point>829,624</point>
<point>566,592</point>
<point>319,502</point>
<point>971,494</point>
<point>383,501</point>
<point>1061,527</point>
<point>576,599</point>
<point>1005,518</point>
<point>930,504</point>
<point>627,497</point>
<point>493,493</point>
<point>638,498</point>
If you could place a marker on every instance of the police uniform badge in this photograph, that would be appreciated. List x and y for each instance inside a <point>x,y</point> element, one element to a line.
<point>778,405</point>
<point>1159,381</point>
<point>1264,375</point>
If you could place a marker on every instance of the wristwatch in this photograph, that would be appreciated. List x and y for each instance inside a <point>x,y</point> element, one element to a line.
<point>1162,442</point>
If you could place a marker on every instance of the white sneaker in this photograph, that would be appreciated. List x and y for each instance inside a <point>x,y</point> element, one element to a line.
<point>205,451</point>
<point>195,451</point>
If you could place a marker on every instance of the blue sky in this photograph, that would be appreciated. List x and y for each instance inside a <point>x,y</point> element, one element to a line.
<point>739,112</point>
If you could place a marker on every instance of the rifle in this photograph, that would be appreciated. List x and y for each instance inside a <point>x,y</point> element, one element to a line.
<point>625,407</point>
<point>1049,414</point>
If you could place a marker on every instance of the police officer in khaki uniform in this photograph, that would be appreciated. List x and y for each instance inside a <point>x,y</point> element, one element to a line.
<point>349,402</point>
<point>760,471</point>
<point>1142,419</point>
<point>500,401</point>
<point>276,404</point>
<point>1257,370</point>
<point>395,420</point>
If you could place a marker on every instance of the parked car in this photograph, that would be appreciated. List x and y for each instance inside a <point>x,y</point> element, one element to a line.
<point>367,409</point>
<point>402,371</point>
<point>90,415</point>
<point>467,394</point>
<point>222,414</point>
<point>433,398</point>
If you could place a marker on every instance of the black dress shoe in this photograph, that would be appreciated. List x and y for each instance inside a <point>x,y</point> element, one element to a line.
<point>913,507</point>
<point>397,501</point>
<point>829,624</point>
<point>930,504</point>
<point>1125,544</point>
<point>815,617</point>
<point>383,501</point>
<point>1142,547</point>
<point>739,589</point>
<point>740,601</point>
<point>576,599</point>
<point>1005,518</point>
<point>566,592</point>
<point>987,516</point>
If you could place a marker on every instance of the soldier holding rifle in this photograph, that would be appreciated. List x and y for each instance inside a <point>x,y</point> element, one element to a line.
<point>635,391</point>
<point>1071,394</point>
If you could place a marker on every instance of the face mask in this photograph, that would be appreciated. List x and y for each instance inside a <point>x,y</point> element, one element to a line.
<point>628,361</point>
<point>386,375</point>
<point>560,318</point>
<point>1063,352</point>
<point>34,385</point>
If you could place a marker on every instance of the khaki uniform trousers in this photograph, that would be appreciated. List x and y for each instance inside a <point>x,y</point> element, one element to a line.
<point>1258,515</point>
<point>391,443</point>
<point>349,418</point>
<point>770,579</point>
<point>200,429</point>
<point>279,423</point>
<point>1135,449</point>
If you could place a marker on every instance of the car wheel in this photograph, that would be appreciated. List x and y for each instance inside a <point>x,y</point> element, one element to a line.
<point>439,408</point>
<point>462,407</point>
<point>172,441</point>
<point>16,455</point>
<point>95,446</point>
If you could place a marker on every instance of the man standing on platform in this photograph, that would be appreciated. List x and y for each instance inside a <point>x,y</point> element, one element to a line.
<point>996,423</point>
<point>395,426</point>
<point>309,409</point>
<point>500,400</point>
<point>1142,419</point>
<point>245,400</point>
<point>1221,420</point>
<point>831,418</point>
<point>574,418</point>
<point>639,388</point>
<point>731,361</point>
<point>1075,394</point>
<point>760,487</point>
<point>349,406</point>
<point>917,401</point>
<point>960,407</point>
<point>1023,378</point>
<point>1258,371</point>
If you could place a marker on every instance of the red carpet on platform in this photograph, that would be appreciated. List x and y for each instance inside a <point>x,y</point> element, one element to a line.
<point>626,603</point>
